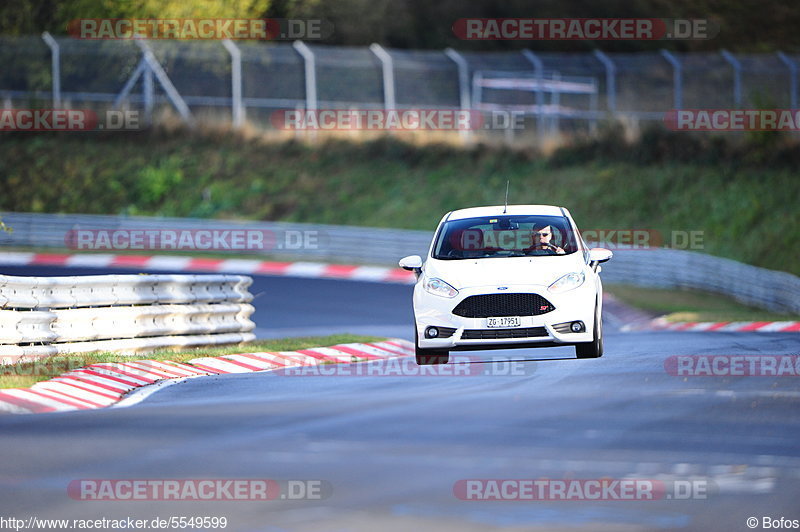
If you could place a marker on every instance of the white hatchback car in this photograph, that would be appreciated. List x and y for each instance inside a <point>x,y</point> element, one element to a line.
<point>507,276</point>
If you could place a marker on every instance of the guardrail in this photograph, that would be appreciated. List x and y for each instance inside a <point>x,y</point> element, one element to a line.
<point>42,316</point>
<point>335,243</point>
<point>655,267</point>
<point>675,268</point>
<point>107,290</point>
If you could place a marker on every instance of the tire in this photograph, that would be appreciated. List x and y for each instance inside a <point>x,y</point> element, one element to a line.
<point>593,349</point>
<point>427,357</point>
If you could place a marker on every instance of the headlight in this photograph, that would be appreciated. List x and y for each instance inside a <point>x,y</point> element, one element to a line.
<point>567,282</point>
<point>439,288</point>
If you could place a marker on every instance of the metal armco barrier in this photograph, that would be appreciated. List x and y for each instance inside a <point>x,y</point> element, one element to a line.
<point>42,316</point>
<point>655,267</point>
<point>675,268</point>
<point>335,243</point>
<point>107,290</point>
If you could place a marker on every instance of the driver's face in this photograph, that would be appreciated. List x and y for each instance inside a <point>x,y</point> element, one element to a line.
<point>543,235</point>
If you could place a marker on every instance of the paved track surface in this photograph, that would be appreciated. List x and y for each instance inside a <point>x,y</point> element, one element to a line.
<point>393,447</point>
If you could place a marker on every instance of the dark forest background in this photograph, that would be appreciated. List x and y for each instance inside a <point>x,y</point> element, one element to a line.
<point>745,25</point>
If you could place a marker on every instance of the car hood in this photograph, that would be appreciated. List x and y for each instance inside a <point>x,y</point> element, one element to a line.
<point>467,273</point>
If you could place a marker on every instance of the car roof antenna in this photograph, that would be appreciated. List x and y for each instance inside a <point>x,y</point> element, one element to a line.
<point>505,205</point>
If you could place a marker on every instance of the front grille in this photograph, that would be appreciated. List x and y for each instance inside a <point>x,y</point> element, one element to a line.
<point>497,305</point>
<point>499,334</point>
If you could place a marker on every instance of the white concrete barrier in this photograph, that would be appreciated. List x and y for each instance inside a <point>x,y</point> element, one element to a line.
<point>43,316</point>
<point>106,290</point>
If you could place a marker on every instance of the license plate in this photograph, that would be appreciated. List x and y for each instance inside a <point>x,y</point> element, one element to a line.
<point>505,321</point>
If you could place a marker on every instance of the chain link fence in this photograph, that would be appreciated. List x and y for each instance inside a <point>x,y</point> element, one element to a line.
<point>248,81</point>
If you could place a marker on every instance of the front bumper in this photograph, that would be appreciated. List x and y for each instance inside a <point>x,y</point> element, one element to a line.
<point>473,333</point>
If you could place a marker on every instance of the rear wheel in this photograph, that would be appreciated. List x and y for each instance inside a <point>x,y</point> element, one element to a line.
<point>593,349</point>
<point>427,357</point>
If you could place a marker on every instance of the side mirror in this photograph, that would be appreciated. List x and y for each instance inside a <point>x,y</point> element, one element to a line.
<point>598,255</point>
<point>412,263</point>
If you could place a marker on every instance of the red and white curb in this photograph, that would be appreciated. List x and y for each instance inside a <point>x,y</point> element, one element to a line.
<point>660,324</point>
<point>197,264</point>
<point>105,384</point>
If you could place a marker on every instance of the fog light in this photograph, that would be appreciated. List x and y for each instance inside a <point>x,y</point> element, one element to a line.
<point>431,332</point>
<point>576,327</point>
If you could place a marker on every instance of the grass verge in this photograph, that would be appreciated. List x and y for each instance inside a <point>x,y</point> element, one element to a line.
<point>25,374</point>
<point>691,305</point>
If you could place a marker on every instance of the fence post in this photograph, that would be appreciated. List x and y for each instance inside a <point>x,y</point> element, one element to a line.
<point>311,74</point>
<point>737,76</point>
<point>237,111</point>
<point>538,71</point>
<point>786,60</point>
<point>126,90</point>
<point>463,86</point>
<point>152,64</point>
<point>149,95</point>
<point>477,88</point>
<point>387,68</point>
<point>677,77</point>
<point>55,62</point>
<point>611,80</point>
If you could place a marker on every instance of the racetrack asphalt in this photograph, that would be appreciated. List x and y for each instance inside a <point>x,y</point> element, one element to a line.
<point>392,448</point>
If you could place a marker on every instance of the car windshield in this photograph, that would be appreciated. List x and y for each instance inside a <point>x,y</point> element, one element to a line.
<point>505,236</point>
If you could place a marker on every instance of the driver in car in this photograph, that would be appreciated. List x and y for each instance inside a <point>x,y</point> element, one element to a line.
<point>541,240</point>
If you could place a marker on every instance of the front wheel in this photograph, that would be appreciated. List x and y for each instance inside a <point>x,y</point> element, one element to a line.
<point>427,357</point>
<point>593,349</point>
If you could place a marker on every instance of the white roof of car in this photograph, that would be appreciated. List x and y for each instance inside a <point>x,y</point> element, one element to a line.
<point>497,210</point>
